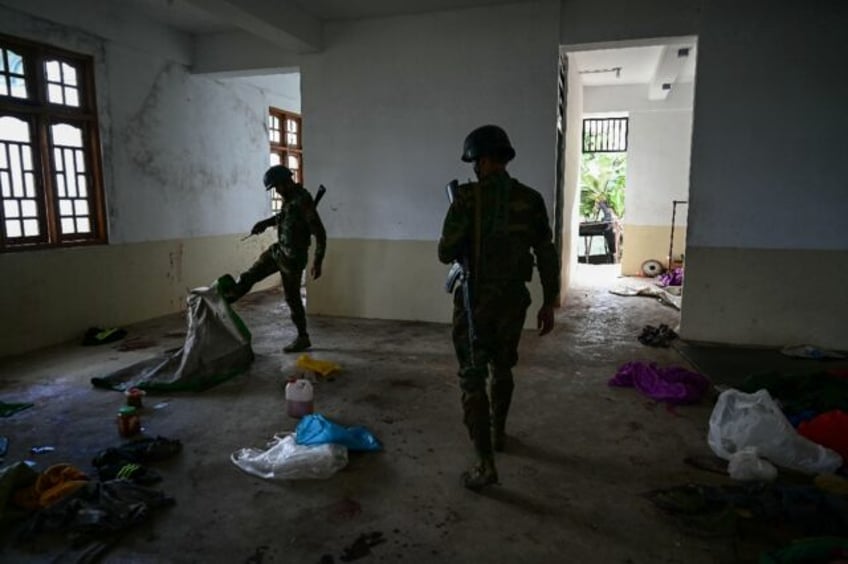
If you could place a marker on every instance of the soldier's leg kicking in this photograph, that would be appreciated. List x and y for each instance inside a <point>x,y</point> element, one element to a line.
<point>264,266</point>
<point>291,287</point>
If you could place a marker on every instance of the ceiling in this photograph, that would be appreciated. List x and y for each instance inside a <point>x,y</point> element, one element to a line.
<point>207,16</point>
<point>636,65</point>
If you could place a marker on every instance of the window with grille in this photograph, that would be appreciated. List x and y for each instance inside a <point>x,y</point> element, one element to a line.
<point>605,135</point>
<point>51,189</point>
<point>284,133</point>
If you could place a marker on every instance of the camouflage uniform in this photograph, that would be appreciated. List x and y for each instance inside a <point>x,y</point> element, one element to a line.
<point>498,221</point>
<point>296,223</point>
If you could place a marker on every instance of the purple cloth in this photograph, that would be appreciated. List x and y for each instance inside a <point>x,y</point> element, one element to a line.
<point>671,384</point>
<point>673,277</point>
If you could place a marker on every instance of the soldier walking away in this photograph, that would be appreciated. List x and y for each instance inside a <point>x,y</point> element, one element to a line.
<point>296,222</point>
<point>491,228</point>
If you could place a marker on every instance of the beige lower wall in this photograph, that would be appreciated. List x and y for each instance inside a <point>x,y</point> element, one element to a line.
<point>766,297</point>
<point>52,296</point>
<point>644,242</point>
<point>383,279</point>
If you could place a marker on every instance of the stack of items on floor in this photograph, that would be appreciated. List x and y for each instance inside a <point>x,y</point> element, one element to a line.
<point>90,514</point>
<point>785,442</point>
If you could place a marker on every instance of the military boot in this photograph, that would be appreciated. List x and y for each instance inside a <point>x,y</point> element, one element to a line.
<point>480,475</point>
<point>300,343</point>
<point>227,287</point>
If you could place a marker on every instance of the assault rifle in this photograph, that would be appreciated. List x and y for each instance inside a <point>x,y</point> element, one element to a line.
<point>460,273</point>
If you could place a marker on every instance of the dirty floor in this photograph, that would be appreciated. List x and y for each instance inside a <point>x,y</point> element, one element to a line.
<point>579,456</point>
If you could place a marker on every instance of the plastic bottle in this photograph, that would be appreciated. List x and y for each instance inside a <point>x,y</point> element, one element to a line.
<point>299,398</point>
<point>129,423</point>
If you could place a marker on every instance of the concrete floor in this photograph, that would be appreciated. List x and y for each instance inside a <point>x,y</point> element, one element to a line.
<point>579,455</point>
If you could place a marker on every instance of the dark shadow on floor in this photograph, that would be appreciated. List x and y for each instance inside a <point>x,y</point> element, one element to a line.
<point>729,366</point>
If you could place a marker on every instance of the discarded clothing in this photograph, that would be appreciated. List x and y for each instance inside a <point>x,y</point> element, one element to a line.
<point>142,450</point>
<point>809,551</point>
<point>7,409</point>
<point>50,487</point>
<point>718,509</point>
<point>818,391</point>
<point>315,429</point>
<point>12,478</point>
<point>98,510</point>
<point>661,336</point>
<point>672,384</point>
<point>829,429</point>
<point>672,277</point>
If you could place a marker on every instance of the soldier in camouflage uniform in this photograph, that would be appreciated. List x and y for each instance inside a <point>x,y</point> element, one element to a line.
<point>296,222</point>
<point>495,222</point>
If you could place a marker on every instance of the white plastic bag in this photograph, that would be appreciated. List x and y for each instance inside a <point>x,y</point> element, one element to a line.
<point>284,459</point>
<point>747,466</point>
<point>742,420</point>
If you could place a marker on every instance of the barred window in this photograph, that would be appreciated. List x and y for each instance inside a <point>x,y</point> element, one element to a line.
<point>284,133</point>
<point>51,189</point>
<point>605,135</point>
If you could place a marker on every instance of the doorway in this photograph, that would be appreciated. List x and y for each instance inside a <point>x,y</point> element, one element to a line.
<point>627,146</point>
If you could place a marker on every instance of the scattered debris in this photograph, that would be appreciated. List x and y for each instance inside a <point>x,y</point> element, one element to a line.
<point>362,546</point>
<point>811,352</point>
<point>257,557</point>
<point>8,409</point>
<point>672,384</point>
<point>161,405</point>
<point>650,290</point>
<point>42,449</point>
<point>661,336</point>
<point>322,367</point>
<point>98,336</point>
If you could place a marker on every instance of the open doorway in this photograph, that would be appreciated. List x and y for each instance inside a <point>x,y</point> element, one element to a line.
<point>629,147</point>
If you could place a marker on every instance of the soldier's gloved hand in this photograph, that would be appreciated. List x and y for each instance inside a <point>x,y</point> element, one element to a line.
<point>545,319</point>
<point>316,271</point>
<point>258,228</point>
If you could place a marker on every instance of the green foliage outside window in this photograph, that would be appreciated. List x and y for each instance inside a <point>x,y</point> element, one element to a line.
<point>602,177</point>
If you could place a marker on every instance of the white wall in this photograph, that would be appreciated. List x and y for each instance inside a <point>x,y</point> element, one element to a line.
<point>770,126</point>
<point>183,158</point>
<point>389,102</point>
<point>575,104</point>
<point>659,145</point>
<point>386,107</point>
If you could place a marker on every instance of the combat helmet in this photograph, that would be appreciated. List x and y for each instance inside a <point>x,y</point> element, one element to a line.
<point>487,141</point>
<point>277,174</point>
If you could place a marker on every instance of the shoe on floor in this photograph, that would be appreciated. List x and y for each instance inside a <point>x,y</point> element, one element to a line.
<point>301,343</point>
<point>479,476</point>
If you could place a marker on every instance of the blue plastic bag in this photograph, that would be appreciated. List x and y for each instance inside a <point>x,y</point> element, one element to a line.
<point>315,429</point>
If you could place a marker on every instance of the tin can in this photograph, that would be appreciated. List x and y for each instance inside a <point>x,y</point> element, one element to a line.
<point>134,396</point>
<point>129,423</point>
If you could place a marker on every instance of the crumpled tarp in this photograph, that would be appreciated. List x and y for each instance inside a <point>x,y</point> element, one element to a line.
<point>672,384</point>
<point>217,347</point>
